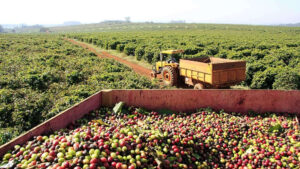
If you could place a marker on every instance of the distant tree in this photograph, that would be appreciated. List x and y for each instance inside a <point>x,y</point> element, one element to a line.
<point>1,29</point>
<point>127,19</point>
<point>44,29</point>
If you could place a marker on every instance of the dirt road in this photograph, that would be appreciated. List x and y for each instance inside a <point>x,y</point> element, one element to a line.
<point>137,68</point>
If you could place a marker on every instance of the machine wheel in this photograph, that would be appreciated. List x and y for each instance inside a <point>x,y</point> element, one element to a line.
<point>153,75</point>
<point>169,76</point>
<point>199,86</point>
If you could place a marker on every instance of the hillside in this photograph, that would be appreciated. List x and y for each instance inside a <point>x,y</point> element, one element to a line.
<point>123,26</point>
<point>291,25</point>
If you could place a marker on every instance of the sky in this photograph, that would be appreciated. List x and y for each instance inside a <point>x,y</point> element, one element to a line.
<point>203,11</point>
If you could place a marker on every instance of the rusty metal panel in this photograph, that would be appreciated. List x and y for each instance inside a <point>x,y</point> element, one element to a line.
<point>232,76</point>
<point>235,75</point>
<point>215,78</point>
<point>57,122</point>
<point>241,76</point>
<point>229,100</point>
<point>223,77</point>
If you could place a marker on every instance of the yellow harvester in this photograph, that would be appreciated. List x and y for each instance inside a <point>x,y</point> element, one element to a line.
<point>203,72</point>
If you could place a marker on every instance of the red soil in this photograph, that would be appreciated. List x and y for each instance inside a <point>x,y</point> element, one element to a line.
<point>137,68</point>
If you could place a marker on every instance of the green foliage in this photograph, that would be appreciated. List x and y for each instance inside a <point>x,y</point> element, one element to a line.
<point>264,79</point>
<point>139,52</point>
<point>280,77</point>
<point>212,50</point>
<point>113,44</point>
<point>191,50</point>
<point>6,134</point>
<point>118,107</point>
<point>287,79</point>
<point>251,69</point>
<point>74,77</point>
<point>28,112</point>
<point>262,47</point>
<point>120,47</point>
<point>276,128</point>
<point>129,49</point>
<point>41,75</point>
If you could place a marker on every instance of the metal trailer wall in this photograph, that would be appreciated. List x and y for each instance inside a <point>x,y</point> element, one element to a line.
<point>177,100</point>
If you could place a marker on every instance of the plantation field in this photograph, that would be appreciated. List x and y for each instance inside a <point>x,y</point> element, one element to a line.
<point>41,75</point>
<point>272,53</point>
<point>124,27</point>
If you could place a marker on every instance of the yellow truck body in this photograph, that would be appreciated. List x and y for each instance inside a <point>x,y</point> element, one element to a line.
<point>216,72</point>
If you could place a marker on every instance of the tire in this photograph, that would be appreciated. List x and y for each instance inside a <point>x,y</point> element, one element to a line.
<point>199,86</point>
<point>169,76</point>
<point>153,75</point>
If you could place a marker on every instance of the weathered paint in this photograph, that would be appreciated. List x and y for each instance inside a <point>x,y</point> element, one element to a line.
<point>229,100</point>
<point>177,100</point>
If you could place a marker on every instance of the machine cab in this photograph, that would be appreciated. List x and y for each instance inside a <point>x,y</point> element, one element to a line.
<point>171,61</point>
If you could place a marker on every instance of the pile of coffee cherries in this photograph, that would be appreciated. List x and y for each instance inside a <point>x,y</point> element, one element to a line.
<point>136,138</point>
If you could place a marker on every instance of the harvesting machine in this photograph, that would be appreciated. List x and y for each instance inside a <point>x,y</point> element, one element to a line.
<point>204,72</point>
